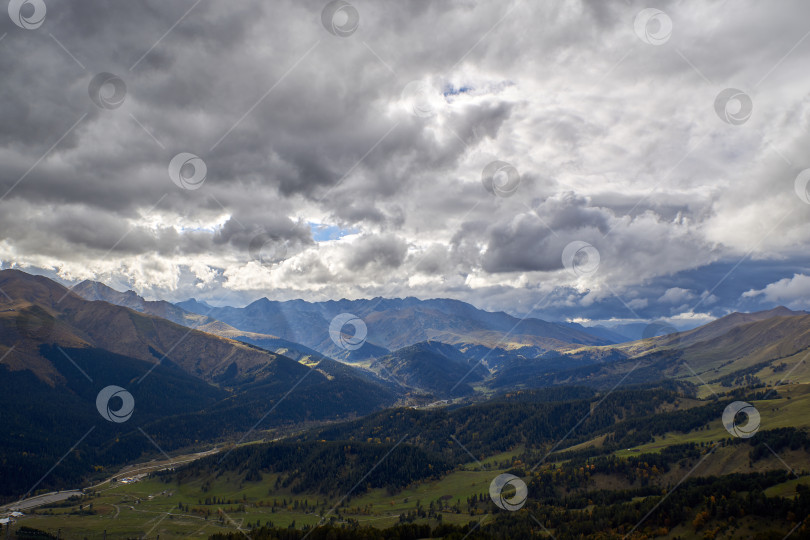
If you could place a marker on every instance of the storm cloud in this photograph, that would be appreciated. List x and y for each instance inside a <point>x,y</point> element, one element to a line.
<point>617,134</point>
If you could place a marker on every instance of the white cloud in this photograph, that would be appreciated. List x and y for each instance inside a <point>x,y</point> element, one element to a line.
<point>675,295</point>
<point>638,303</point>
<point>793,292</point>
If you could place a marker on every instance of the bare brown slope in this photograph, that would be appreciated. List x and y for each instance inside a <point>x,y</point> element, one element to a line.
<point>726,324</point>
<point>93,290</point>
<point>751,343</point>
<point>753,337</point>
<point>59,316</point>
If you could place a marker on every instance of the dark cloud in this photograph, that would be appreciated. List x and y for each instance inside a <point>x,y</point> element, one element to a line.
<point>616,141</point>
<point>386,251</point>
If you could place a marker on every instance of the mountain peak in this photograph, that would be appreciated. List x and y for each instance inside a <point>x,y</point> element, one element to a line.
<point>19,285</point>
<point>782,311</point>
<point>779,311</point>
<point>191,303</point>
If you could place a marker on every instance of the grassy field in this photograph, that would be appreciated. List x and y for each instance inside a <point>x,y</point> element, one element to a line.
<point>150,507</point>
<point>787,489</point>
<point>792,409</point>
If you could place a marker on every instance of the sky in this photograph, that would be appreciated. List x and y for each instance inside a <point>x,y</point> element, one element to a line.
<point>588,161</point>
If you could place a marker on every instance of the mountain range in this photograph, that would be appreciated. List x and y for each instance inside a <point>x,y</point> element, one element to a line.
<point>200,374</point>
<point>59,351</point>
<point>393,324</point>
<point>445,348</point>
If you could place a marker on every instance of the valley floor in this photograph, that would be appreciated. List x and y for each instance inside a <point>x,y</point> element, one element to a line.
<point>154,506</point>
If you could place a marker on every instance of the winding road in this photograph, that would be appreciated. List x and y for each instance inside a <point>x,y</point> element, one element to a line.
<point>136,470</point>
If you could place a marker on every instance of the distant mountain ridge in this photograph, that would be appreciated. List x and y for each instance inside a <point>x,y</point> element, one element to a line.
<point>444,366</point>
<point>609,334</point>
<point>94,291</point>
<point>412,343</point>
<point>393,324</point>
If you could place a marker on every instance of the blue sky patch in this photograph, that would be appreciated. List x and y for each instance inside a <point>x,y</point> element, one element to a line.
<point>324,233</point>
